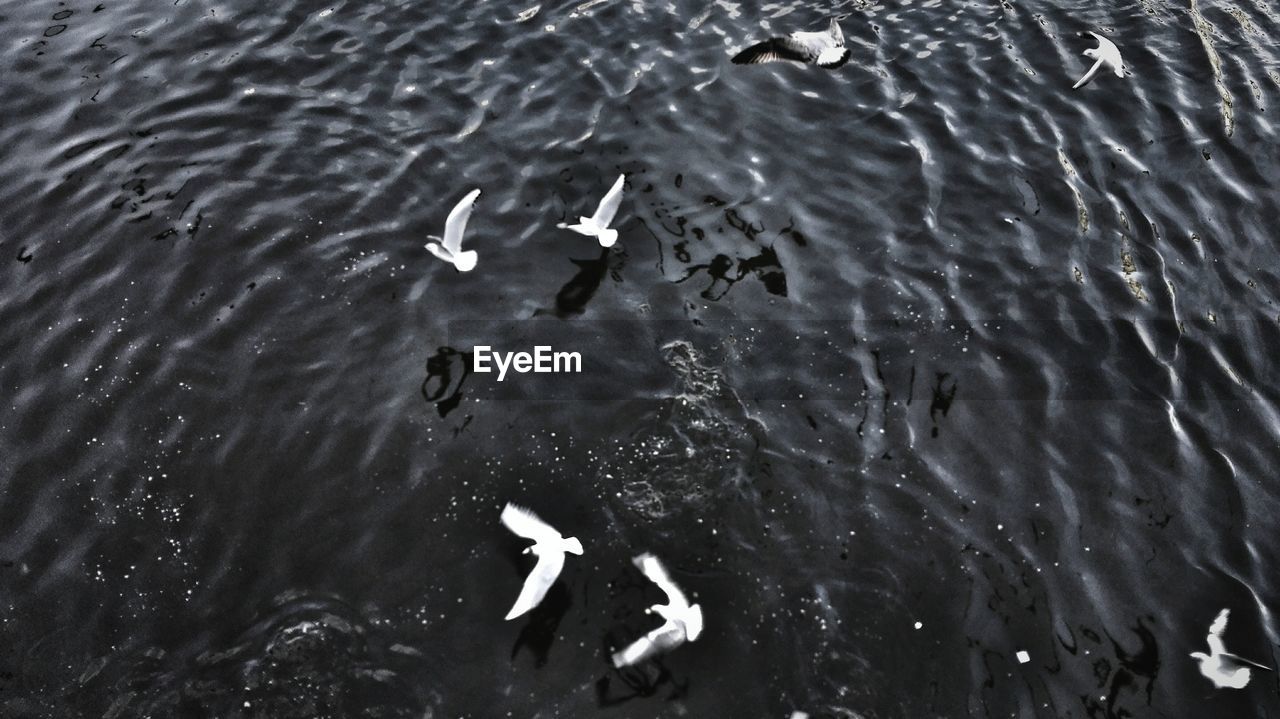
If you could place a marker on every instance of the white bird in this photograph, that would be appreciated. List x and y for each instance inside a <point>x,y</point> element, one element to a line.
<point>449,249</point>
<point>597,225</point>
<point>683,620</point>
<point>824,49</point>
<point>1107,54</point>
<point>1220,667</point>
<point>548,546</point>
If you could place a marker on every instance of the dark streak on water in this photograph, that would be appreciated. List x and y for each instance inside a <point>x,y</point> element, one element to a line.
<point>244,472</point>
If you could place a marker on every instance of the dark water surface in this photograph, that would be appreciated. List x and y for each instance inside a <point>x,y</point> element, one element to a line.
<point>930,338</point>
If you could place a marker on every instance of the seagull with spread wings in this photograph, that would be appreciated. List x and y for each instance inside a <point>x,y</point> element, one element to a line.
<point>1107,54</point>
<point>683,620</point>
<point>549,547</point>
<point>449,249</point>
<point>824,49</point>
<point>597,225</point>
<point>1224,669</point>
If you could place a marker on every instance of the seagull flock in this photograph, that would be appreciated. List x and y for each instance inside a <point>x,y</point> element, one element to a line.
<point>825,49</point>
<point>682,621</point>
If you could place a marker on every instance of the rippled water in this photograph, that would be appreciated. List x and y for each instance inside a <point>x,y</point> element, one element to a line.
<point>928,339</point>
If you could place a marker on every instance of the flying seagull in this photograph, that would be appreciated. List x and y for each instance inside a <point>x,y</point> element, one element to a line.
<point>597,225</point>
<point>548,546</point>
<point>1222,668</point>
<point>683,620</point>
<point>1107,54</point>
<point>824,49</point>
<point>450,248</point>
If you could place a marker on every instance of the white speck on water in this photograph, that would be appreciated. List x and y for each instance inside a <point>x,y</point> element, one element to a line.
<point>919,625</point>
<point>1023,657</point>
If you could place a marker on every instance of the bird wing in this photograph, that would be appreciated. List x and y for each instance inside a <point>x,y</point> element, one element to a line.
<point>538,583</point>
<point>773,50</point>
<point>1105,44</point>
<point>1216,646</point>
<point>609,205</point>
<point>527,524</point>
<point>668,636</point>
<point>1106,48</point>
<point>1219,624</point>
<point>1232,661</point>
<point>1088,75</point>
<point>653,569</point>
<point>834,31</point>
<point>457,222</point>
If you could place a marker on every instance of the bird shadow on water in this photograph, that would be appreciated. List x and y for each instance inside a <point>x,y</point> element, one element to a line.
<point>539,632</point>
<point>638,682</point>
<point>573,297</point>
<point>722,270</point>
<point>724,273</point>
<point>440,387</point>
<point>1126,674</point>
<point>649,677</point>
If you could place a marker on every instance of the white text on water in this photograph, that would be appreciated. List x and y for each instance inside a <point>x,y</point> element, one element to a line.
<point>542,361</point>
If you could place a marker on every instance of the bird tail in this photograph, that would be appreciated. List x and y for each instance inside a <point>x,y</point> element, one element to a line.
<point>573,546</point>
<point>465,261</point>
<point>693,626</point>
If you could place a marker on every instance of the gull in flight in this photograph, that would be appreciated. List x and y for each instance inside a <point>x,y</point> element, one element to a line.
<point>824,49</point>
<point>1107,54</point>
<point>450,248</point>
<point>548,546</point>
<point>1222,668</point>
<point>597,225</point>
<point>683,620</point>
